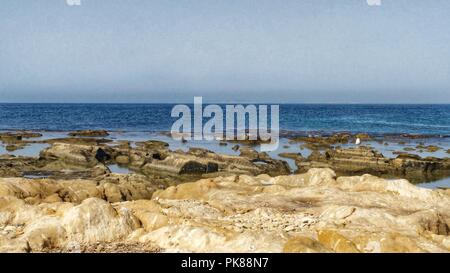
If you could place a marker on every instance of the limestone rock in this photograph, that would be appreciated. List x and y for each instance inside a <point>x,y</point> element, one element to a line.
<point>361,160</point>
<point>83,155</point>
<point>312,212</point>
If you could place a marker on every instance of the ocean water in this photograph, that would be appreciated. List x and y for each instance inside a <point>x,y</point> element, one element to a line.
<point>328,118</point>
<point>140,122</point>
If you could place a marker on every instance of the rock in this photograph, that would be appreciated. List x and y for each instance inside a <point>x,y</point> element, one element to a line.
<point>13,147</point>
<point>416,136</point>
<point>82,155</point>
<point>53,198</point>
<point>335,241</point>
<point>96,220</point>
<point>113,187</point>
<point>182,164</point>
<point>363,136</point>
<point>422,146</point>
<point>124,144</point>
<point>78,140</point>
<point>322,141</point>
<point>90,133</point>
<point>432,148</point>
<point>311,212</point>
<point>12,166</point>
<point>315,146</point>
<point>361,160</point>
<point>295,156</point>
<point>10,137</point>
<point>122,159</point>
<point>301,244</point>
<point>127,187</point>
<point>201,162</point>
<point>18,135</point>
<point>153,144</point>
<point>149,213</point>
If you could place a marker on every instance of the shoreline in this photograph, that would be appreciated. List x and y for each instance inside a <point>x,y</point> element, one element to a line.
<point>98,194</point>
<point>283,133</point>
<point>294,147</point>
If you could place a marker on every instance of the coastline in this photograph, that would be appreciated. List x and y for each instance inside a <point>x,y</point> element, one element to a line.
<point>294,145</point>
<point>102,191</point>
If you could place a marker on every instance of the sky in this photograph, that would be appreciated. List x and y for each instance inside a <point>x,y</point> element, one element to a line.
<point>302,51</point>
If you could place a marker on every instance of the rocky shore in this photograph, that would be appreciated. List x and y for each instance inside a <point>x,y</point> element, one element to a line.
<point>67,199</point>
<point>362,160</point>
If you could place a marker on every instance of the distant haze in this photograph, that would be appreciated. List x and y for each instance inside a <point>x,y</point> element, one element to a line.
<point>319,51</point>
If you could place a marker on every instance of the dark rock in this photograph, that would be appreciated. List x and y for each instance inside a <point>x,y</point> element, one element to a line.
<point>90,133</point>
<point>102,156</point>
<point>291,155</point>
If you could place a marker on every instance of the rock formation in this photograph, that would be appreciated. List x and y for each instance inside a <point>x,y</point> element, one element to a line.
<point>311,212</point>
<point>363,160</point>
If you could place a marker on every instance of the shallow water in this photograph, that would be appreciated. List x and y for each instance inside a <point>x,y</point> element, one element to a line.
<point>32,149</point>
<point>443,183</point>
<point>284,147</point>
<point>114,168</point>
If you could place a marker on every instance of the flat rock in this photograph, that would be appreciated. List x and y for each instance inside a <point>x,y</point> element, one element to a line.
<point>90,133</point>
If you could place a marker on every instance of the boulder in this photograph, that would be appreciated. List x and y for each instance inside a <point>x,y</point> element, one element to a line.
<point>74,154</point>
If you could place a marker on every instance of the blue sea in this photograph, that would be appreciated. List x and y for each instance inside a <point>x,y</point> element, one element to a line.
<point>328,118</point>
<point>139,122</point>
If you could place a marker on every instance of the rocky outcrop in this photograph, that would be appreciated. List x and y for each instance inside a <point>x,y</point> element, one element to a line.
<point>71,158</point>
<point>11,165</point>
<point>154,158</point>
<point>340,138</point>
<point>89,133</point>
<point>110,187</point>
<point>9,137</point>
<point>74,154</point>
<point>311,212</point>
<point>363,160</point>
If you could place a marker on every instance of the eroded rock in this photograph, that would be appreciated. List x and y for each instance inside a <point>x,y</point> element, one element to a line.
<point>363,159</point>
<point>311,212</point>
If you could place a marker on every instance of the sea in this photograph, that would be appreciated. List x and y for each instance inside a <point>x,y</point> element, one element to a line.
<point>138,122</point>
<point>328,118</point>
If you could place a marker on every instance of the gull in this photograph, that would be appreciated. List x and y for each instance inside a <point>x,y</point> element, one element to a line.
<point>358,141</point>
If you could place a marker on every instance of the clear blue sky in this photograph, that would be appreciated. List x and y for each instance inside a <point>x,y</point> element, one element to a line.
<point>330,51</point>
